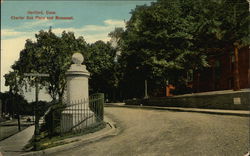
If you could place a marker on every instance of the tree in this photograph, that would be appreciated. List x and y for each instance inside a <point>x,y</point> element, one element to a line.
<point>49,54</point>
<point>14,82</point>
<point>165,40</point>
<point>158,45</point>
<point>100,63</point>
<point>52,54</point>
<point>116,36</point>
<point>232,29</point>
<point>224,25</point>
<point>116,42</point>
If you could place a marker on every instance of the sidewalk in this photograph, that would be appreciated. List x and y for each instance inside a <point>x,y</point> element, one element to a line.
<point>10,127</point>
<point>182,109</point>
<point>13,145</point>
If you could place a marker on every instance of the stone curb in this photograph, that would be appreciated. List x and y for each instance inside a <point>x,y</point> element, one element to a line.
<point>181,109</point>
<point>106,132</point>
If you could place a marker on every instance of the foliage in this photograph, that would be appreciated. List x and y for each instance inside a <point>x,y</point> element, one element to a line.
<point>15,82</point>
<point>15,104</point>
<point>52,54</point>
<point>166,39</point>
<point>100,63</point>
<point>48,54</point>
<point>160,44</point>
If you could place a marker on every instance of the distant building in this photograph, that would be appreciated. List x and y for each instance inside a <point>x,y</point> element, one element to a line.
<point>220,74</point>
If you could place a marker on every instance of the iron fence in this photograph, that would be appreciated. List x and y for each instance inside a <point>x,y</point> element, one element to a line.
<point>75,116</point>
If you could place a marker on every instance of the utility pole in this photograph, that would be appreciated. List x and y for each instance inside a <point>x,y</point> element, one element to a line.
<point>14,94</point>
<point>17,105</point>
<point>1,70</point>
<point>13,101</point>
<point>236,63</point>
<point>1,104</point>
<point>36,75</point>
<point>146,89</point>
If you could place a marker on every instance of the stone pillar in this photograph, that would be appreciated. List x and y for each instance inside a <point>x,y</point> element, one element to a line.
<point>77,80</point>
<point>77,113</point>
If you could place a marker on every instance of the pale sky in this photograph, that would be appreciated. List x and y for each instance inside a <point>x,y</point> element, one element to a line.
<point>91,19</point>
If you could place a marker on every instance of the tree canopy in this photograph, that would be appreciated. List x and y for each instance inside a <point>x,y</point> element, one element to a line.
<point>51,54</point>
<point>161,43</point>
<point>166,39</point>
<point>100,63</point>
<point>48,54</point>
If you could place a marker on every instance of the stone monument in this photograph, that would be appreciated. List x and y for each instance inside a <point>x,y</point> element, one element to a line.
<point>77,96</point>
<point>77,80</point>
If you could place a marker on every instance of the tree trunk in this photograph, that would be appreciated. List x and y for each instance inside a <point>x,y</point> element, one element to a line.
<point>198,83</point>
<point>60,97</point>
<point>213,77</point>
<point>236,69</point>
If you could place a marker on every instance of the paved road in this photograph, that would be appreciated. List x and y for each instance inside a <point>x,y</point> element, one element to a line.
<point>159,132</point>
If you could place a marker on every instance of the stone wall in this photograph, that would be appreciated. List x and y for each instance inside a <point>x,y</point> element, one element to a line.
<point>227,100</point>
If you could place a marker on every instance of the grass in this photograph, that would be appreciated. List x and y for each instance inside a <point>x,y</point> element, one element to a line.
<point>47,142</point>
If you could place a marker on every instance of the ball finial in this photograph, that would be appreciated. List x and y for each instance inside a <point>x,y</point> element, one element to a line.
<point>77,58</point>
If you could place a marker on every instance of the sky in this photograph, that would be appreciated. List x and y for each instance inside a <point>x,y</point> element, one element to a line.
<point>91,19</point>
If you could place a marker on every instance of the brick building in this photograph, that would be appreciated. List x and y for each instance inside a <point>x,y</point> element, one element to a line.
<point>220,74</point>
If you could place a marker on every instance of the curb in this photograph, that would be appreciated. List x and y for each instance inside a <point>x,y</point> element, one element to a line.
<point>181,109</point>
<point>1,152</point>
<point>111,130</point>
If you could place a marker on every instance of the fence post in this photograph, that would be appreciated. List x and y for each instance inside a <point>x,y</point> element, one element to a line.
<point>101,105</point>
<point>53,122</point>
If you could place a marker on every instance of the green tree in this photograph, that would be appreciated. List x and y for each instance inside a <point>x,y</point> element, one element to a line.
<point>223,26</point>
<point>165,40</point>
<point>158,46</point>
<point>49,54</point>
<point>13,80</point>
<point>230,29</point>
<point>100,63</point>
<point>116,42</point>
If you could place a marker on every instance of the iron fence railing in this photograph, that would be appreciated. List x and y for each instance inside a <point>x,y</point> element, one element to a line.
<point>75,116</point>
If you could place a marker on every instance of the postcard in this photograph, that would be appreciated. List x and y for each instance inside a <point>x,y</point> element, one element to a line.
<point>124,77</point>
